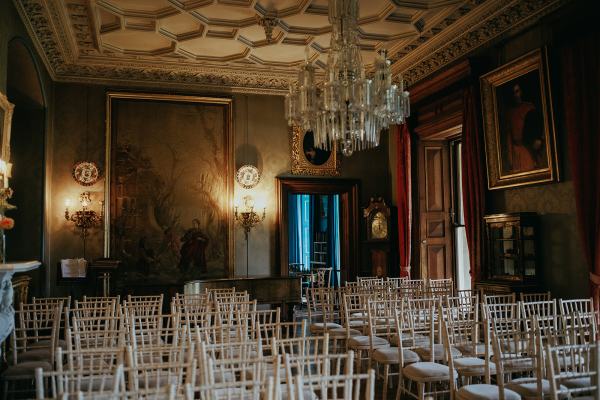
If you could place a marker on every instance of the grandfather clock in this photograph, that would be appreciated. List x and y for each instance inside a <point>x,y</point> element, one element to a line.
<point>377,216</point>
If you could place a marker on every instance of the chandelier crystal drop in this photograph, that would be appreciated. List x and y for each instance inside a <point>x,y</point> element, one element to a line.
<point>348,107</point>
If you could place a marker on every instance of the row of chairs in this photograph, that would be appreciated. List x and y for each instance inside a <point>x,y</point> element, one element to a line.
<point>209,347</point>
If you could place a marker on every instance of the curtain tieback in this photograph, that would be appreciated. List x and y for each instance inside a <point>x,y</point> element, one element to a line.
<point>595,280</point>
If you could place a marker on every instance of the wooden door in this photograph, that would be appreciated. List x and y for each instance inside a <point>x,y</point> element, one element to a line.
<point>435,206</point>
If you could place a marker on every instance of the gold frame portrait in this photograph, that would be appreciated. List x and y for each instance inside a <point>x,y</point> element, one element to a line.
<point>112,111</point>
<point>6,108</point>
<point>518,121</point>
<point>302,166</point>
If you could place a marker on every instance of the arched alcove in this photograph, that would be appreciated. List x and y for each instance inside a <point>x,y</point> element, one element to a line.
<point>25,91</point>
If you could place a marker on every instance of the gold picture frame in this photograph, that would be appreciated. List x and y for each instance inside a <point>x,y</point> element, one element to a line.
<point>6,113</point>
<point>321,162</point>
<point>184,145</point>
<point>518,121</point>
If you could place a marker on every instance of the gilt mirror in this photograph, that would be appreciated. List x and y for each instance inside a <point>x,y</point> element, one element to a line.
<point>6,111</point>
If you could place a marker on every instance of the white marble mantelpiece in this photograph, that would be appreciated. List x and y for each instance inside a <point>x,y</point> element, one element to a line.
<point>7,312</point>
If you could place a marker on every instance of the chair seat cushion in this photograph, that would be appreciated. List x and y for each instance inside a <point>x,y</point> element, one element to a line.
<point>323,326</point>
<point>472,366</point>
<point>526,387</point>
<point>307,394</point>
<point>426,372</point>
<point>438,352</point>
<point>577,383</point>
<point>390,355</point>
<point>46,343</point>
<point>516,364</point>
<point>484,392</point>
<point>26,369</point>
<point>363,342</point>
<point>342,332</point>
<point>36,354</point>
<point>410,340</point>
<point>472,350</point>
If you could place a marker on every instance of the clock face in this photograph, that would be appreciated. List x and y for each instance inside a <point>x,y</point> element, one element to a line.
<point>86,173</point>
<point>379,229</point>
<point>247,176</point>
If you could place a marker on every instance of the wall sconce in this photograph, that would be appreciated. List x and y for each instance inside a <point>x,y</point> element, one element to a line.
<point>248,219</point>
<point>84,219</point>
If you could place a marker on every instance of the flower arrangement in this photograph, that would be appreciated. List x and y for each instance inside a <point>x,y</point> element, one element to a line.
<point>5,222</point>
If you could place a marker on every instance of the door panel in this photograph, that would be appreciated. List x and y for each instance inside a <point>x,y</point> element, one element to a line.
<point>435,204</point>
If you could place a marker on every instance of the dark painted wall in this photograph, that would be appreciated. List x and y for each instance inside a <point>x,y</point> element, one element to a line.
<point>23,78</point>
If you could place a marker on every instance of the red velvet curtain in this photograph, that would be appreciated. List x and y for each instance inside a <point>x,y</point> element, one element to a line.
<point>473,181</point>
<point>581,72</point>
<point>404,193</point>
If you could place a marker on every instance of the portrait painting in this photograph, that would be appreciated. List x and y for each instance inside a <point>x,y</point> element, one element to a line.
<point>310,159</point>
<point>169,180</point>
<point>518,123</point>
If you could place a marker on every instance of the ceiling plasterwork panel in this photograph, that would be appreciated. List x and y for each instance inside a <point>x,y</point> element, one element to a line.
<point>221,45</point>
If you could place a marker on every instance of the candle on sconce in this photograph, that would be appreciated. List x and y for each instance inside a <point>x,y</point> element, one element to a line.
<point>4,171</point>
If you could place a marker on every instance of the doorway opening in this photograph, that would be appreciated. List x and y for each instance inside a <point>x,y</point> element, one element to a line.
<point>314,234</point>
<point>461,251</point>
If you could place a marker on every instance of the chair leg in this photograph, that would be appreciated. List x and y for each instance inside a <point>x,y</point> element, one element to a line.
<point>421,390</point>
<point>386,373</point>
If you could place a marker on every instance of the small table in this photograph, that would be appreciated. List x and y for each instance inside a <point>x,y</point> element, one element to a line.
<point>101,270</point>
<point>7,312</point>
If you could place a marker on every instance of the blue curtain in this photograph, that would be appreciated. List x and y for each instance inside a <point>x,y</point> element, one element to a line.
<point>333,242</point>
<point>295,228</point>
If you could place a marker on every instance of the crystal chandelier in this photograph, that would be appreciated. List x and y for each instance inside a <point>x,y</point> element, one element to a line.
<point>348,107</point>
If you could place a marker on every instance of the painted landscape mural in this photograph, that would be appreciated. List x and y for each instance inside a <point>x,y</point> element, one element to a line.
<point>169,190</point>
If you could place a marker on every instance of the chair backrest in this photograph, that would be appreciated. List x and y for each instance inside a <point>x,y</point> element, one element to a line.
<point>336,387</point>
<point>518,351</point>
<point>381,317</point>
<point>36,329</point>
<point>508,298</point>
<point>541,296</point>
<point>573,363</point>
<point>77,383</point>
<point>546,314</point>
<point>301,346</point>
<point>240,390</point>
<point>152,368</point>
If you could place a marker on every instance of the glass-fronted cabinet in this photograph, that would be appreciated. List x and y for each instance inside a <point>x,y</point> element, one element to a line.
<point>511,247</point>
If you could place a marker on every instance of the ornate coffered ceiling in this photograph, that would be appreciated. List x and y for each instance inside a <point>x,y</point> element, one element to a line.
<point>222,45</point>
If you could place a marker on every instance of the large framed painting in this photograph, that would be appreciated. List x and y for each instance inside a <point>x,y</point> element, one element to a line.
<point>168,187</point>
<point>308,159</point>
<point>6,112</point>
<point>519,123</point>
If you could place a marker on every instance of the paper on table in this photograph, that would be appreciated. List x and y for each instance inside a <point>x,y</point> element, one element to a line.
<point>73,267</point>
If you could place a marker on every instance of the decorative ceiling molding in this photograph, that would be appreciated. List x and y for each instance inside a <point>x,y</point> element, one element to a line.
<point>187,45</point>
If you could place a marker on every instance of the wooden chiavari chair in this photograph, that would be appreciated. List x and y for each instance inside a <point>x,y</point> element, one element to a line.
<point>97,307</point>
<point>418,378</point>
<point>572,371</point>
<point>477,391</point>
<point>382,328</point>
<point>33,343</point>
<point>518,352</point>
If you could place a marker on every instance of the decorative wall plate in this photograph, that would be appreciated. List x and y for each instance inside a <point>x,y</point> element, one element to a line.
<point>247,176</point>
<point>86,173</point>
